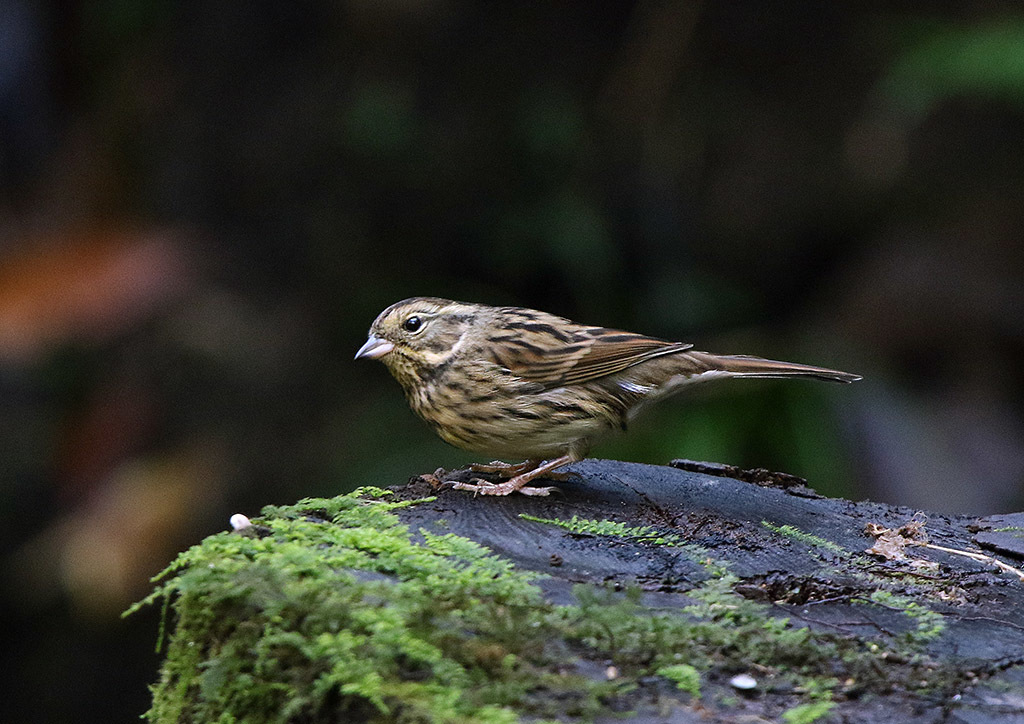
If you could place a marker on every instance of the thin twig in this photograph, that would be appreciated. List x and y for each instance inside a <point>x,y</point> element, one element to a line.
<point>977,557</point>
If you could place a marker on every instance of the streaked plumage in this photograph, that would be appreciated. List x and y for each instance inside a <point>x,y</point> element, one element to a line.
<point>518,383</point>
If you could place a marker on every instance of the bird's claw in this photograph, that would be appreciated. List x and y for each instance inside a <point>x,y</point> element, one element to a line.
<point>545,491</point>
<point>435,479</point>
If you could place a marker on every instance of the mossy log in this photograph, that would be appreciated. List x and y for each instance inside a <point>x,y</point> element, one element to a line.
<point>639,593</point>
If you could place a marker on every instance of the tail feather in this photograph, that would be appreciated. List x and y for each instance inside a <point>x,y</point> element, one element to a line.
<point>746,366</point>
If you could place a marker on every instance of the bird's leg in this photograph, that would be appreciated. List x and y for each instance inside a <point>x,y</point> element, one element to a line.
<point>519,482</point>
<point>511,470</point>
<point>505,470</point>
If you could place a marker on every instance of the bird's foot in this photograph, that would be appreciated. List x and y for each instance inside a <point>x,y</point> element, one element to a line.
<point>512,470</point>
<point>519,482</point>
<point>505,470</point>
<point>482,487</point>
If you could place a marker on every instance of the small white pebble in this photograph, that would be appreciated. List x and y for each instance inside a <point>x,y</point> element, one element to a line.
<point>611,673</point>
<point>240,522</point>
<point>744,682</point>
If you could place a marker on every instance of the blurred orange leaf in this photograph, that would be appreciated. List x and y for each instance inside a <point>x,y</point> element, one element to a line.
<point>87,285</point>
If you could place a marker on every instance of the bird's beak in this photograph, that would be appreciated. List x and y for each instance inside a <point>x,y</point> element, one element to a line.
<point>375,347</point>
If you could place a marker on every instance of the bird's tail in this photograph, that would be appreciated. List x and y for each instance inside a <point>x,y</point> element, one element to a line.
<point>735,365</point>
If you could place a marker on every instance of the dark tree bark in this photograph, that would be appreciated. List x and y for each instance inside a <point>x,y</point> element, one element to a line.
<point>801,553</point>
<point>686,593</point>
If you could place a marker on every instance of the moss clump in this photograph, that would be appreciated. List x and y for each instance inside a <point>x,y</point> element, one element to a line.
<point>718,631</point>
<point>686,677</point>
<point>928,625</point>
<point>640,534</point>
<point>586,526</point>
<point>807,713</point>
<point>819,692</point>
<point>808,538</point>
<point>333,610</point>
<point>336,614</point>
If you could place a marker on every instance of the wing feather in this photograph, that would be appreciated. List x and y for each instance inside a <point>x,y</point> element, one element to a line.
<point>554,352</point>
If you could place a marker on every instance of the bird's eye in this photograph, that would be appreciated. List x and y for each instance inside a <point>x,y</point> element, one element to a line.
<point>412,324</point>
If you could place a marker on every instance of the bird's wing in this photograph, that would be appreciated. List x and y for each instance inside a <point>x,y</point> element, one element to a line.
<point>560,354</point>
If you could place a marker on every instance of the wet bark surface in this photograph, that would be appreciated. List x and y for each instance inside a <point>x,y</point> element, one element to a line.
<point>801,554</point>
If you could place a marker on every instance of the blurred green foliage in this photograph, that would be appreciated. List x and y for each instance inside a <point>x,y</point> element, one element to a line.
<point>942,60</point>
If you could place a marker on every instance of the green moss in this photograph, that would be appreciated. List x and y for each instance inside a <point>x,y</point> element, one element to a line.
<point>686,677</point>
<point>643,534</point>
<point>586,526</point>
<point>819,691</point>
<point>812,540</point>
<point>344,618</point>
<point>928,624</point>
<point>807,713</point>
<point>333,610</point>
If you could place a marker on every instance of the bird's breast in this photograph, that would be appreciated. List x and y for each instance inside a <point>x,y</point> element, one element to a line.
<point>504,417</point>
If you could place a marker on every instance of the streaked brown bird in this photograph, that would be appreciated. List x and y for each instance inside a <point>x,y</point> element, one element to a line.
<point>517,383</point>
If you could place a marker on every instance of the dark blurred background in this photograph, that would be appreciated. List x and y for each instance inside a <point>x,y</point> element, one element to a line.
<point>204,205</point>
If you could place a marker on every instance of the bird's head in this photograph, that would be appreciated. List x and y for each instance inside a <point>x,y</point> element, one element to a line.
<point>417,337</point>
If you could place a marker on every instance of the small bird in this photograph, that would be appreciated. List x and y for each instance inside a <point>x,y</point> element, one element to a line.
<point>515,383</point>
